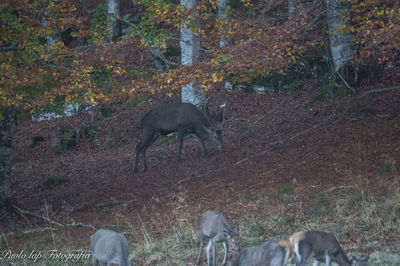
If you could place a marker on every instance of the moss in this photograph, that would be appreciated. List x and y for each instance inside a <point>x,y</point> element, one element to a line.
<point>366,112</point>
<point>131,103</point>
<point>54,181</point>
<point>35,140</point>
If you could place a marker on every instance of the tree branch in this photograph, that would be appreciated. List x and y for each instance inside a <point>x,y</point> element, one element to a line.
<point>380,90</point>
<point>23,212</point>
<point>267,114</point>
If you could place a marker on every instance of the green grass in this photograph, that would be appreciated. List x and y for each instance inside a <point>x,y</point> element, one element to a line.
<point>133,102</point>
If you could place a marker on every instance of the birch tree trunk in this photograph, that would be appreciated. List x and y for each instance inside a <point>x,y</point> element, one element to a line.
<point>113,25</point>
<point>341,45</point>
<point>190,52</point>
<point>293,7</point>
<point>223,14</point>
<point>7,129</point>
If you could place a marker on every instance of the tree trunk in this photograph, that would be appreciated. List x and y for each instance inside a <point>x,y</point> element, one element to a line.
<point>223,14</point>
<point>113,25</point>
<point>293,7</point>
<point>341,45</point>
<point>159,64</point>
<point>7,129</point>
<point>190,52</point>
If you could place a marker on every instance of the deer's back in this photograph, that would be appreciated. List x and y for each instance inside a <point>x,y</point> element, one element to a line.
<point>108,245</point>
<point>267,253</point>
<point>169,117</point>
<point>213,223</point>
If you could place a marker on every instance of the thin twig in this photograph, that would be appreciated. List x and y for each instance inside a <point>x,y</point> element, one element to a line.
<point>30,231</point>
<point>303,27</point>
<point>267,114</point>
<point>155,51</point>
<point>334,188</point>
<point>345,82</point>
<point>380,90</point>
<point>20,211</point>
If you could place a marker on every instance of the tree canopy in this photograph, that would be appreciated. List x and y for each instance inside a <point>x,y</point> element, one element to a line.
<point>57,50</point>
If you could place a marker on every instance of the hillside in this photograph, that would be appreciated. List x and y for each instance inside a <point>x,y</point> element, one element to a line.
<point>289,163</point>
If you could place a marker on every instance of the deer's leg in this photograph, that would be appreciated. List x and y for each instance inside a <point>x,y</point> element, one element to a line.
<point>147,140</point>
<point>328,259</point>
<point>204,147</point>
<point>181,134</point>
<point>226,253</point>
<point>138,150</point>
<point>304,250</point>
<point>94,261</point>
<point>208,252</point>
<point>201,247</point>
<point>214,253</point>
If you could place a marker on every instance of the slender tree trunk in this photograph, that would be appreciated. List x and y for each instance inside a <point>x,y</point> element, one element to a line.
<point>113,25</point>
<point>159,64</point>
<point>223,14</point>
<point>7,129</point>
<point>341,45</point>
<point>190,53</point>
<point>293,7</point>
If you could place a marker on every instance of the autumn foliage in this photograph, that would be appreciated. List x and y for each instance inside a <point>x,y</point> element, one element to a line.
<point>40,66</point>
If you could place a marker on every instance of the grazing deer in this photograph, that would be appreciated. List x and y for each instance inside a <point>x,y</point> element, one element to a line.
<point>109,247</point>
<point>323,247</point>
<point>215,227</point>
<point>177,117</point>
<point>273,253</point>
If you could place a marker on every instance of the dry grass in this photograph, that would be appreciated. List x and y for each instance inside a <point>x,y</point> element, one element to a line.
<point>359,214</point>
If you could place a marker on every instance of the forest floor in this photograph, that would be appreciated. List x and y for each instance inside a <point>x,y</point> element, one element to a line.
<point>290,163</point>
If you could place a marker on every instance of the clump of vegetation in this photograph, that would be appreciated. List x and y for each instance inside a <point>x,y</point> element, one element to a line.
<point>54,181</point>
<point>246,128</point>
<point>101,75</point>
<point>98,24</point>
<point>35,140</point>
<point>71,137</point>
<point>178,244</point>
<point>395,113</point>
<point>385,169</point>
<point>141,73</point>
<point>364,213</point>
<point>133,102</point>
<point>104,112</point>
<point>366,112</point>
<point>286,190</point>
<point>332,87</point>
<point>320,206</point>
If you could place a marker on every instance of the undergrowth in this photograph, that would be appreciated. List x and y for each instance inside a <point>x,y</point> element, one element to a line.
<point>359,215</point>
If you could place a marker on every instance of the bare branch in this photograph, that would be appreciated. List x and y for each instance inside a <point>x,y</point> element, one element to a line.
<point>267,114</point>
<point>380,90</point>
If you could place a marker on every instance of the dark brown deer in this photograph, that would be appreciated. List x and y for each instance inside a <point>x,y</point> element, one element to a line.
<point>181,118</point>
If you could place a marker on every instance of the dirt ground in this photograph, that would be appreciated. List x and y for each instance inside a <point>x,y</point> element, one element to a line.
<point>270,140</point>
